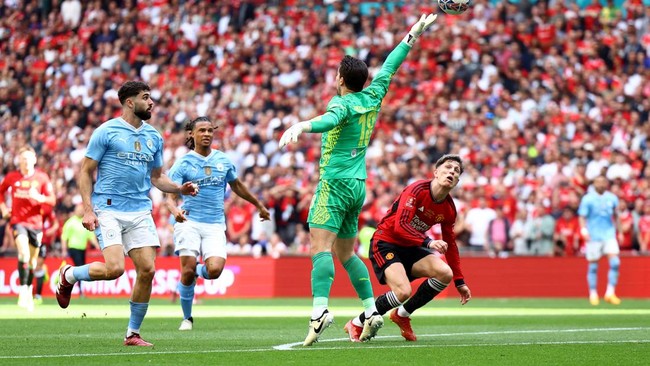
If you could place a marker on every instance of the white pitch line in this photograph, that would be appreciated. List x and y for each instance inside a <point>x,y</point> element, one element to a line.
<point>288,346</point>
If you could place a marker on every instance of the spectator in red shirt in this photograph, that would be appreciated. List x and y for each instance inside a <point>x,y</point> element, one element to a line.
<point>567,234</point>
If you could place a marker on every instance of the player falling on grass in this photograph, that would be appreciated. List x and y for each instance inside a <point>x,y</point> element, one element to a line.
<point>30,190</point>
<point>333,218</point>
<point>599,221</point>
<point>200,228</point>
<point>401,251</point>
<point>127,154</point>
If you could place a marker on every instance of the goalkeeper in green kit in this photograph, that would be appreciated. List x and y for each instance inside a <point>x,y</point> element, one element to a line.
<point>333,219</point>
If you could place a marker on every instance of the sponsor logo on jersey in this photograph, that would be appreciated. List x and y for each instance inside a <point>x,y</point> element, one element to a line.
<point>353,153</point>
<point>421,209</point>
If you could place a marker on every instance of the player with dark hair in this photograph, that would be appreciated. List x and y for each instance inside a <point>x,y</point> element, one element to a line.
<point>127,154</point>
<point>400,250</point>
<point>333,218</point>
<point>200,228</point>
<point>30,190</point>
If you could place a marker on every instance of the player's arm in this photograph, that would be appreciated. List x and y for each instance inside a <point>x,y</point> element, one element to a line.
<point>583,227</point>
<point>583,211</point>
<point>171,202</point>
<point>319,124</point>
<point>46,196</point>
<point>85,181</point>
<point>617,218</point>
<point>453,259</point>
<point>242,191</point>
<point>395,59</point>
<point>162,182</point>
<point>4,186</point>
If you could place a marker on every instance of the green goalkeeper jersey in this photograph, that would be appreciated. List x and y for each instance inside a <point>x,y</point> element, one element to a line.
<point>350,120</point>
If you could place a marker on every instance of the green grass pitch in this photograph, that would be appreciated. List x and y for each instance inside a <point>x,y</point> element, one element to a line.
<point>270,332</point>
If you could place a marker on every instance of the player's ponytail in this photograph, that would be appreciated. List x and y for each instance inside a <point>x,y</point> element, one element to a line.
<point>189,141</point>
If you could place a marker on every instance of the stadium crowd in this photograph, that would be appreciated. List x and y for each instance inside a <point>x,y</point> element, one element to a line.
<point>538,97</point>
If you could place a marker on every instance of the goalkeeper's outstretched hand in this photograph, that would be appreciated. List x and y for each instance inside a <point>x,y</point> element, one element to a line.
<point>419,27</point>
<point>292,133</point>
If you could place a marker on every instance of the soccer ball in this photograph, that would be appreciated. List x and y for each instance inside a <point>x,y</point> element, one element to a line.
<point>454,7</point>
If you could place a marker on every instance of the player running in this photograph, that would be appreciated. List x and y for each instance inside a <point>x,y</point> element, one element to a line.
<point>200,228</point>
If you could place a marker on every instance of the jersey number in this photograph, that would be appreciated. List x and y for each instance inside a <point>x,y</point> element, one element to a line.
<point>367,122</point>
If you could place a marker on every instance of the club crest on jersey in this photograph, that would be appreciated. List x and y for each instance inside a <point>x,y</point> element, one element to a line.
<point>220,167</point>
<point>150,144</point>
<point>353,153</point>
<point>390,256</point>
<point>207,170</point>
<point>137,146</point>
<point>440,218</point>
<point>410,203</point>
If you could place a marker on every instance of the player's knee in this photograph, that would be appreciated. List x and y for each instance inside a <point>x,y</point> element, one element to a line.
<point>214,272</point>
<point>444,274</point>
<point>146,273</point>
<point>188,274</point>
<point>403,292</point>
<point>114,271</point>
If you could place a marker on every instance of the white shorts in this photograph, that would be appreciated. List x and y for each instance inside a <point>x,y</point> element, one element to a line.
<point>596,249</point>
<point>193,238</point>
<point>129,229</point>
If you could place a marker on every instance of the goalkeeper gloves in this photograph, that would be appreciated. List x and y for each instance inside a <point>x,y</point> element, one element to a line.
<point>419,27</point>
<point>292,133</point>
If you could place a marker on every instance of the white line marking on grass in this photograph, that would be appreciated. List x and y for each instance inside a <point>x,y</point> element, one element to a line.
<point>457,345</point>
<point>289,346</point>
<point>392,346</point>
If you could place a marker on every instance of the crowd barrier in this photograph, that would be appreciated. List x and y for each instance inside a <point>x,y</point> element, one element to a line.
<point>247,277</point>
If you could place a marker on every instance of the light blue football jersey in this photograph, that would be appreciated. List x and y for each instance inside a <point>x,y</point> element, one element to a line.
<point>211,173</point>
<point>598,211</point>
<point>126,156</point>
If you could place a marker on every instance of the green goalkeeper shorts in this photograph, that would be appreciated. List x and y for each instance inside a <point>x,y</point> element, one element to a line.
<point>336,206</point>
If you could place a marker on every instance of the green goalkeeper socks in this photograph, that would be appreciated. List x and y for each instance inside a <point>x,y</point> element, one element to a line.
<point>360,279</point>
<point>322,276</point>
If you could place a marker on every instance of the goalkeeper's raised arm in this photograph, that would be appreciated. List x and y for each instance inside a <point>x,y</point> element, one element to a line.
<point>381,81</point>
<point>351,77</point>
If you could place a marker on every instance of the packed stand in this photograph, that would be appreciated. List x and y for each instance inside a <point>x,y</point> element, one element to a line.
<point>538,99</point>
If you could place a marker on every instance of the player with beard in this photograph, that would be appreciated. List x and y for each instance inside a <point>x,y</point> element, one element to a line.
<point>127,154</point>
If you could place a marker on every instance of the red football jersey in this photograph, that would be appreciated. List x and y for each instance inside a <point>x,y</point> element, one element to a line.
<point>413,213</point>
<point>25,210</point>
